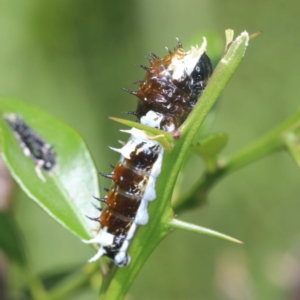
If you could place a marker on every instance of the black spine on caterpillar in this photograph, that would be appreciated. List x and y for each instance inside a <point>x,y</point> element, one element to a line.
<point>167,95</point>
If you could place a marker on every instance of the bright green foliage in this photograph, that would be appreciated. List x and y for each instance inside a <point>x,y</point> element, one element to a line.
<point>66,193</point>
<point>209,147</point>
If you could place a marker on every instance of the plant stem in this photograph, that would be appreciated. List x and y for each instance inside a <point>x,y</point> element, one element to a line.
<point>35,285</point>
<point>73,283</point>
<point>271,142</point>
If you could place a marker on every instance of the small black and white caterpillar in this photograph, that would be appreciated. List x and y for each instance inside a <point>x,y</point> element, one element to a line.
<point>167,95</point>
<point>33,145</point>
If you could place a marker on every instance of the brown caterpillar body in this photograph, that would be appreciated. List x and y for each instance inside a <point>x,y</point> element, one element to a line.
<point>167,95</point>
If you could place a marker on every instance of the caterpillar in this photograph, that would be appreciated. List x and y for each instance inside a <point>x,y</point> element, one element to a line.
<point>33,145</point>
<point>167,95</point>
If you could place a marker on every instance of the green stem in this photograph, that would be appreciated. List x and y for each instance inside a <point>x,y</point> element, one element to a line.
<point>35,285</point>
<point>196,195</point>
<point>73,283</point>
<point>271,142</point>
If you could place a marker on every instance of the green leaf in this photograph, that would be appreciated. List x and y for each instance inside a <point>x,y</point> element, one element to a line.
<point>211,146</point>
<point>11,242</point>
<point>67,193</point>
<point>229,34</point>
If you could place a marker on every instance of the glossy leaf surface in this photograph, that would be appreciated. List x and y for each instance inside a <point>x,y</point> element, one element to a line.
<point>67,193</point>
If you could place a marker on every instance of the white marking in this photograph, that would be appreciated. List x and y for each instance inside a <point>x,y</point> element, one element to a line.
<point>125,246</point>
<point>150,194</point>
<point>103,238</point>
<point>124,151</point>
<point>116,149</point>
<point>142,216</point>
<point>38,170</point>
<point>101,251</point>
<point>152,119</point>
<point>137,136</point>
<point>126,131</point>
<point>122,259</point>
<point>131,232</point>
<point>186,62</point>
<point>169,128</point>
<point>26,150</point>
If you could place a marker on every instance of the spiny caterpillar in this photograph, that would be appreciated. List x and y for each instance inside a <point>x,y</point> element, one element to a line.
<point>167,95</point>
<point>33,145</point>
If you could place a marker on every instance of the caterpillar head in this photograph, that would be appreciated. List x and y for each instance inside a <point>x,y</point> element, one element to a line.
<point>172,85</point>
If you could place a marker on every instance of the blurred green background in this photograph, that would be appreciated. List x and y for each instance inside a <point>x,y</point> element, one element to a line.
<point>72,57</point>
